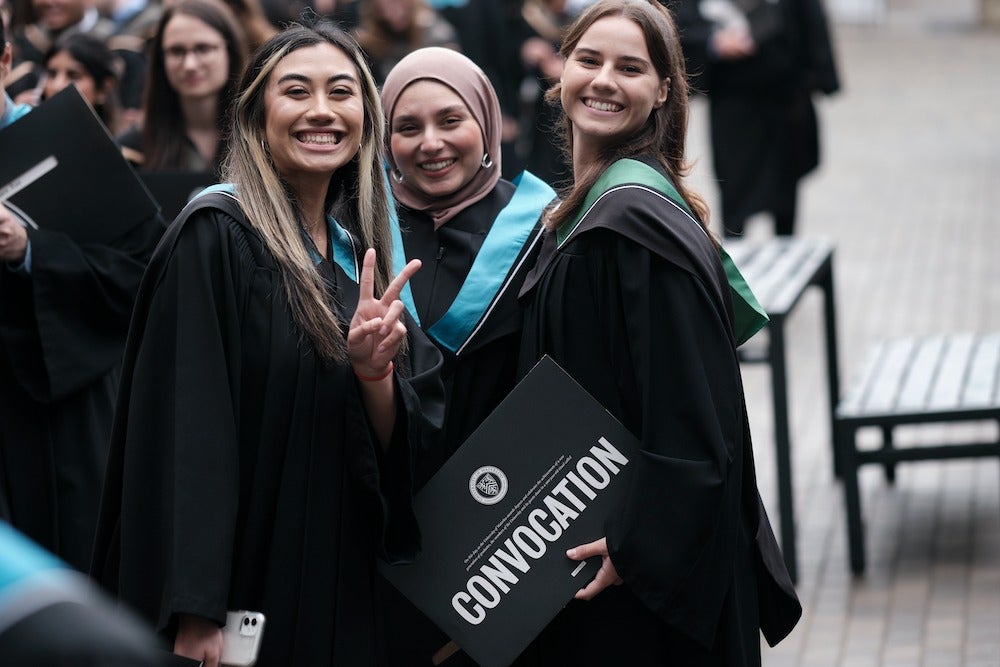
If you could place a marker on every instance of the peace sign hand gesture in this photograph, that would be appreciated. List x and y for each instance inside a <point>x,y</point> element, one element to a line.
<point>377,329</point>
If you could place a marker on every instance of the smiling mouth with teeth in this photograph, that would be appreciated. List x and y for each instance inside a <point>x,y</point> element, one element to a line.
<point>603,106</point>
<point>319,138</point>
<point>437,166</point>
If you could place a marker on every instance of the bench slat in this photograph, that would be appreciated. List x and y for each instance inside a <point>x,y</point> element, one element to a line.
<point>740,251</point>
<point>791,288</point>
<point>917,386</point>
<point>954,369</point>
<point>755,269</point>
<point>981,385</point>
<point>779,270</point>
<point>885,388</point>
<point>773,279</point>
<point>853,399</point>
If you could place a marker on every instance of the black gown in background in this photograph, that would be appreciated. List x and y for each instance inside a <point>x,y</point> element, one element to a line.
<point>243,472</point>
<point>636,307</point>
<point>62,332</point>
<point>764,128</point>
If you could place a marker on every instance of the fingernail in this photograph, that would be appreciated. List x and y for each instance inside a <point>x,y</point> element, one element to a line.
<point>571,553</point>
<point>383,331</point>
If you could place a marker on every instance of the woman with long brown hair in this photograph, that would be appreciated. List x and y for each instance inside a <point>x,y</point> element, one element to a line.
<point>631,297</point>
<point>195,61</point>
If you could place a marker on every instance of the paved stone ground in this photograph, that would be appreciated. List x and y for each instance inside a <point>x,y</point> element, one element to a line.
<point>909,190</point>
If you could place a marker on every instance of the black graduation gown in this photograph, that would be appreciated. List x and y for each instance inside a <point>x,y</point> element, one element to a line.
<point>62,331</point>
<point>477,376</point>
<point>484,371</point>
<point>636,307</point>
<point>243,473</point>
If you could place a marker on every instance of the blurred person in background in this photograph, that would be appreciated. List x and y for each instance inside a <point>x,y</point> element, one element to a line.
<point>760,62</point>
<point>86,62</point>
<point>391,29</point>
<point>250,15</point>
<point>196,57</point>
<point>6,13</point>
<point>543,23</point>
<point>64,311</point>
<point>32,41</point>
<point>343,13</point>
<point>134,25</point>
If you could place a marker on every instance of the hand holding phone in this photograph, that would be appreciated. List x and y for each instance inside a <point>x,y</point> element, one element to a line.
<point>241,638</point>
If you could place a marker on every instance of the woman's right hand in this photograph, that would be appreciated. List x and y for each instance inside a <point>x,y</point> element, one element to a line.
<point>199,639</point>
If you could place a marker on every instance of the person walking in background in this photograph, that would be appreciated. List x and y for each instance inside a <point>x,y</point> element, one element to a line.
<point>760,62</point>
<point>543,23</point>
<point>195,62</point>
<point>64,310</point>
<point>476,235</point>
<point>630,296</point>
<point>262,445</point>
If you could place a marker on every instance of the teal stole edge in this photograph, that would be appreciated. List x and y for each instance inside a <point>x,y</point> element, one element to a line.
<point>12,112</point>
<point>340,239</point>
<point>748,315</point>
<point>492,264</point>
<point>22,558</point>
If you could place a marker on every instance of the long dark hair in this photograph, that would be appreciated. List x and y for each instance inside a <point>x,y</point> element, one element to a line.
<point>663,136</point>
<point>101,64</point>
<point>357,192</point>
<point>164,138</point>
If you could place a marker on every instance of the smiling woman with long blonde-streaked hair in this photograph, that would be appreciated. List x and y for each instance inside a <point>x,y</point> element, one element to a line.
<point>270,398</point>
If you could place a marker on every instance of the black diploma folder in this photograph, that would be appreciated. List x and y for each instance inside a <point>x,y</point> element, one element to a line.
<point>61,171</point>
<point>538,477</point>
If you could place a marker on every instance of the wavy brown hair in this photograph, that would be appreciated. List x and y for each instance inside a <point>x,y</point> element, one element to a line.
<point>664,134</point>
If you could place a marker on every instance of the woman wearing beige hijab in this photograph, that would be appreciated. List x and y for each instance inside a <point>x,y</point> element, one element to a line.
<point>476,234</point>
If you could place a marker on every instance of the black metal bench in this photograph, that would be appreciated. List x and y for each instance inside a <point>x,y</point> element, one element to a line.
<point>779,270</point>
<point>936,379</point>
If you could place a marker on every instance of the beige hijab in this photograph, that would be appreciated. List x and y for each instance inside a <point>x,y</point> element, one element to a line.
<point>470,83</point>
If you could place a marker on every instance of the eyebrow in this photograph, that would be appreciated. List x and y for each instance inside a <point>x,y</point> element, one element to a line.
<point>455,108</point>
<point>631,59</point>
<point>305,79</point>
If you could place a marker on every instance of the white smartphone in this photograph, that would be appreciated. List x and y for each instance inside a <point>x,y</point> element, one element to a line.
<point>241,638</point>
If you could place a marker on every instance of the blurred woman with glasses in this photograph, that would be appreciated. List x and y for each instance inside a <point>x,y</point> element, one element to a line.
<point>194,63</point>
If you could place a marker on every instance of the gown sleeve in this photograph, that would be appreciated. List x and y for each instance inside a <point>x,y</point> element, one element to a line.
<point>175,444</point>
<point>73,308</point>
<point>674,539</point>
<point>419,418</point>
